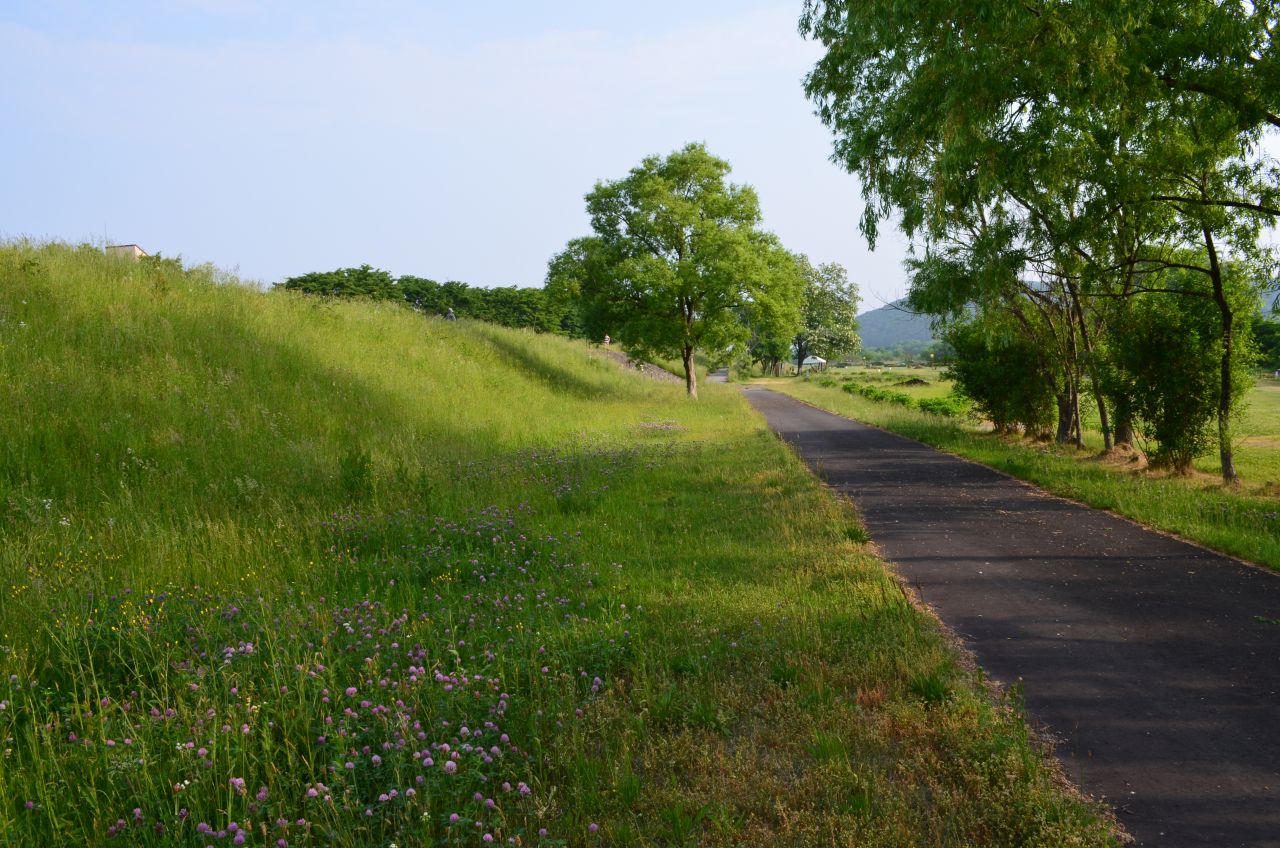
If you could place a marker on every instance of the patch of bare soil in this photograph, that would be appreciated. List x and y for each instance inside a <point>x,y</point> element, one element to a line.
<point>1124,457</point>
<point>914,381</point>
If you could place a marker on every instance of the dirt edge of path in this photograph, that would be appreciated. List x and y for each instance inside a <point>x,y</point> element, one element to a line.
<point>998,692</point>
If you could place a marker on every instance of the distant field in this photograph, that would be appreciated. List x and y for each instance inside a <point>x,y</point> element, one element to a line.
<point>277,571</point>
<point>900,379</point>
<point>1257,437</point>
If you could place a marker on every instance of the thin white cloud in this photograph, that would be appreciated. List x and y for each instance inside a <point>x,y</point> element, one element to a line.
<point>421,156</point>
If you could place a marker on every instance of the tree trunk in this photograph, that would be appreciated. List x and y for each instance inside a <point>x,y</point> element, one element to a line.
<point>1090,366</point>
<point>690,375</point>
<point>1065,418</point>
<point>1104,420</point>
<point>1225,454</point>
<point>1124,431</point>
<point>1073,382</point>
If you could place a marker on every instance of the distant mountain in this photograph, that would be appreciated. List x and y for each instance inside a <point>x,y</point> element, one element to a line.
<point>891,325</point>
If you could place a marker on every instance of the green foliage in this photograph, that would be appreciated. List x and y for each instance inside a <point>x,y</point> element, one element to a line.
<point>950,406</point>
<point>772,320</point>
<point>1000,370</point>
<point>365,281</point>
<point>878,394</point>
<point>1266,333</point>
<point>1167,362</point>
<point>829,313</point>
<point>675,260</point>
<point>507,306</point>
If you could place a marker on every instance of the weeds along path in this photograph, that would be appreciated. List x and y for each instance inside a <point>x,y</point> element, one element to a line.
<point>1156,663</point>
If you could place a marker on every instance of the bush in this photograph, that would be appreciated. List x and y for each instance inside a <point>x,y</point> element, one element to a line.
<point>1003,372</point>
<point>1168,362</point>
<point>878,394</point>
<point>952,406</point>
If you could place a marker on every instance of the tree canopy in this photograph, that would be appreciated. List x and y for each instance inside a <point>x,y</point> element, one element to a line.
<point>676,259</point>
<point>509,306</point>
<point>1053,160</point>
<point>828,314</point>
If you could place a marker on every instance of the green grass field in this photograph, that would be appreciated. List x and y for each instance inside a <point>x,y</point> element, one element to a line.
<point>1257,446</point>
<point>283,572</point>
<point>1245,522</point>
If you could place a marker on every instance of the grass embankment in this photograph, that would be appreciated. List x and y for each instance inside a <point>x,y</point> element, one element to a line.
<point>1245,523</point>
<point>283,572</point>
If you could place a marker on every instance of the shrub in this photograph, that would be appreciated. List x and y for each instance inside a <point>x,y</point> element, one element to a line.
<point>952,406</point>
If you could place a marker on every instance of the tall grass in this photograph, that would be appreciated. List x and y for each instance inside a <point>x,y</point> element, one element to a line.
<point>284,572</point>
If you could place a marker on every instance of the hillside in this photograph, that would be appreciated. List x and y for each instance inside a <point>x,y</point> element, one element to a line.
<point>891,325</point>
<point>286,571</point>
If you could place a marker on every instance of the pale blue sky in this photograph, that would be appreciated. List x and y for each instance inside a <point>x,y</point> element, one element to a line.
<point>448,140</point>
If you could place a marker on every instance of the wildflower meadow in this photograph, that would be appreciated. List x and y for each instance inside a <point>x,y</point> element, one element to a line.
<point>282,572</point>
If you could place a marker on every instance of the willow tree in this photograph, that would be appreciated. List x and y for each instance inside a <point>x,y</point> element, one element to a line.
<point>676,259</point>
<point>1110,137</point>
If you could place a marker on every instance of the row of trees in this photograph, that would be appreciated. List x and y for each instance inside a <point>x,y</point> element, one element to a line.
<point>677,264</point>
<point>507,305</point>
<point>1085,186</point>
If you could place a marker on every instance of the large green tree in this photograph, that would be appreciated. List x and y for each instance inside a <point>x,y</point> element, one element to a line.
<point>828,313</point>
<point>1087,144</point>
<point>676,259</point>
<point>1169,355</point>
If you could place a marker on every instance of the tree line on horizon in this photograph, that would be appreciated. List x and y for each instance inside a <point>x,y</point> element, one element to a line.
<point>677,266</point>
<point>1085,186</point>
<point>509,306</point>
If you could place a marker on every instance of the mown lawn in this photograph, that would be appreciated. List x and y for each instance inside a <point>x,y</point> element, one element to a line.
<point>283,572</point>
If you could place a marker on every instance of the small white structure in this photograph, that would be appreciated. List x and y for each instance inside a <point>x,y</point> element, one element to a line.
<point>126,251</point>
<point>813,363</point>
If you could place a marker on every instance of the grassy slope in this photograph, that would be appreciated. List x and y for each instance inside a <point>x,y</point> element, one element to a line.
<point>1245,523</point>
<point>264,559</point>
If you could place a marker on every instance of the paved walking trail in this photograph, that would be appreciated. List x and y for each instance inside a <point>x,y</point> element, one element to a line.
<point>1155,662</point>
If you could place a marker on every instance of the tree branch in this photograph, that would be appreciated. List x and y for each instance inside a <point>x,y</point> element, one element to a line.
<point>1208,91</point>
<point>1234,204</point>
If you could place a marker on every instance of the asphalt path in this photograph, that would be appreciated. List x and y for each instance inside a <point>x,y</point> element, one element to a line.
<point>1153,662</point>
